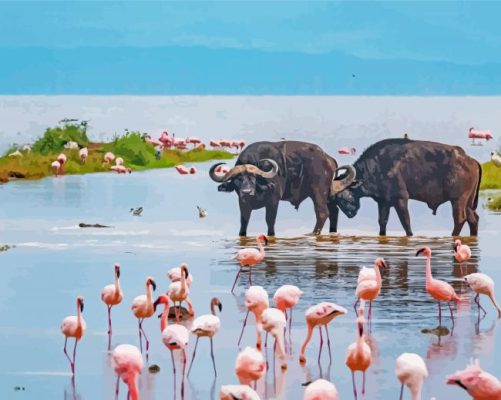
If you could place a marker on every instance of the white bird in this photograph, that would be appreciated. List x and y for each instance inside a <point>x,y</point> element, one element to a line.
<point>202,213</point>
<point>411,371</point>
<point>74,326</point>
<point>16,153</point>
<point>174,275</point>
<point>496,159</point>
<point>83,153</point>
<point>274,323</point>
<point>136,211</point>
<point>232,392</point>
<point>179,291</point>
<point>128,364</point>
<point>321,390</point>
<point>112,295</point>
<point>207,326</point>
<point>482,284</point>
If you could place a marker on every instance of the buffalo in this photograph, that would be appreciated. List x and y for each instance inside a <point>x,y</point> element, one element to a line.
<point>267,172</point>
<point>393,171</point>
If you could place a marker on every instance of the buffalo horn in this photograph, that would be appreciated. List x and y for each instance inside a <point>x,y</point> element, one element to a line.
<point>341,184</point>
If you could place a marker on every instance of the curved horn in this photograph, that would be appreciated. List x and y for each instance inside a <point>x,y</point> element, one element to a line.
<point>268,174</point>
<point>237,169</point>
<point>341,184</point>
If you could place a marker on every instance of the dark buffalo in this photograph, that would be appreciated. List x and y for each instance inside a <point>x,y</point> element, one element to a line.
<point>395,170</point>
<point>267,172</point>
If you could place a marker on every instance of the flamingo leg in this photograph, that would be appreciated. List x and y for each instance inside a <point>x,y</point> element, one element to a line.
<point>354,385</point>
<point>140,335</point>
<point>66,352</point>
<point>212,356</point>
<point>250,276</point>
<point>477,300</point>
<point>145,338</point>
<point>117,387</point>
<point>355,306</point>
<point>176,311</point>
<point>193,356</point>
<point>402,391</point>
<point>243,327</point>
<point>363,383</point>
<point>109,320</point>
<point>184,369</point>
<point>236,278</point>
<point>266,340</point>
<point>370,313</point>
<point>74,356</point>
<point>328,344</point>
<point>173,370</point>
<point>452,315</point>
<point>439,315</point>
<point>321,343</point>
<point>290,327</point>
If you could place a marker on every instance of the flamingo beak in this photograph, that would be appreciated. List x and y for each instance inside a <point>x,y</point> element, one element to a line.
<point>361,329</point>
<point>153,284</point>
<point>420,251</point>
<point>117,271</point>
<point>155,304</point>
<point>220,306</point>
<point>81,305</point>
<point>265,239</point>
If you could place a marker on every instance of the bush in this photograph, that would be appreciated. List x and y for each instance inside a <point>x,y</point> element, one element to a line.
<point>132,148</point>
<point>54,139</point>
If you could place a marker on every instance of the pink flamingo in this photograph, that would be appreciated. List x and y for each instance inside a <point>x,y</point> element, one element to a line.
<point>74,327</point>
<point>273,321</point>
<point>225,143</point>
<point>165,139</point>
<point>83,154</point>
<point>287,296</point>
<point>207,326</point>
<point>175,273</point>
<point>128,364</point>
<point>174,337</point>
<point>154,142</point>
<point>480,385</point>
<point>120,169</point>
<point>411,371</point>
<point>195,141</point>
<point>179,291</point>
<point>320,315</point>
<point>214,144</point>
<point>119,161</point>
<point>476,134</point>
<point>462,253</point>
<point>108,157</point>
<point>439,290</point>
<point>368,289</point>
<point>256,301</point>
<point>143,307</point>
<point>232,392</point>
<point>182,169</point>
<point>56,167</point>
<point>359,355</point>
<point>347,151</point>
<point>250,366</point>
<point>241,143</point>
<point>222,169</point>
<point>249,257</point>
<point>112,295</point>
<point>482,284</point>
<point>321,390</point>
<point>61,158</point>
<point>192,170</point>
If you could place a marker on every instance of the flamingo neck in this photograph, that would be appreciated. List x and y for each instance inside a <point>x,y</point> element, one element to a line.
<point>117,284</point>
<point>378,275</point>
<point>416,391</point>
<point>149,293</point>
<point>164,321</point>
<point>212,309</point>
<point>260,246</point>
<point>79,314</point>
<point>429,277</point>
<point>130,379</point>
<point>279,337</point>
<point>494,301</point>
<point>308,338</point>
<point>183,280</point>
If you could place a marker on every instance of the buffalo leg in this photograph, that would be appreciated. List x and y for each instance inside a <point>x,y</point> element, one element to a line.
<point>321,211</point>
<point>271,216</point>
<point>333,216</point>
<point>245,213</point>
<point>403,215</point>
<point>459,216</point>
<point>384,213</point>
<point>472,218</point>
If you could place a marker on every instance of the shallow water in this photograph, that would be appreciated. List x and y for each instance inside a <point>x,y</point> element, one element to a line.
<point>54,260</point>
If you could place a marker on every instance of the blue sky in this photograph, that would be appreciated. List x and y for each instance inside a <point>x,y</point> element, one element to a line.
<point>235,47</point>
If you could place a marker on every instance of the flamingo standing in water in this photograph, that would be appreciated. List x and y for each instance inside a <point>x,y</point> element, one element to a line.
<point>207,326</point>
<point>321,390</point>
<point>411,371</point>
<point>142,307</point>
<point>439,290</point>
<point>287,296</point>
<point>249,257</point>
<point>462,253</point>
<point>112,295</point>
<point>128,364</point>
<point>274,322</point>
<point>179,291</point>
<point>232,392</point>
<point>482,284</point>
<point>174,337</point>
<point>359,355</point>
<point>56,167</point>
<point>108,157</point>
<point>175,273</point>
<point>368,289</point>
<point>256,301</point>
<point>320,315</point>
<point>250,366</point>
<point>74,327</point>
<point>478,384</point>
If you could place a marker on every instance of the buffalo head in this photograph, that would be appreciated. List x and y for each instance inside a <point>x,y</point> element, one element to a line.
<point>245,179</point>
<point>345,188</point>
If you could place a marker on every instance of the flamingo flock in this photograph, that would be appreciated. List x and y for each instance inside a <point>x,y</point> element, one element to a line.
<point>251,364</point>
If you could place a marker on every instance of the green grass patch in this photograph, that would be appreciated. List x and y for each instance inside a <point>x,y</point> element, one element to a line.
<point>491,176</point>
<point>494,203</point>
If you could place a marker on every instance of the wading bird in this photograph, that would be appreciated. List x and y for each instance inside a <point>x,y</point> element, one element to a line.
<point>439,290</point>
<point>112,295</point>
<point>496,159</point>
<point>462,253</point>
<point>174,275</point>
<point>359,355</point>
<point>108,157</point>
<point>480,385</point>
<point>411,371</point>
<point>74,327</point>
<point>232,392</point>
<point>368,289</point>
<point>287,296</point>
<point>321,390</point>
<point>250,366</point>
<point>128,364</point>
<point>136,211</point>
<point>83,154</point>
<point>179,291</point>
<point>256,301</point>
<point>119,161</point>
<point>482,284</point>
<point>142,307</point>
<point>249,257</point>
<point>56,167</point>
<point>320,315</point>
<point>207,326</point>
<point>202,213</point>
<point>273,321</point>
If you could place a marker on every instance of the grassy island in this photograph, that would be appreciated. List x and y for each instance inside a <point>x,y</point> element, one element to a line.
<point>491,176</point>
<point>34,163</point>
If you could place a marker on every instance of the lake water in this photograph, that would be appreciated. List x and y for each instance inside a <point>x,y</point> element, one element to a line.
<point>53,261</point>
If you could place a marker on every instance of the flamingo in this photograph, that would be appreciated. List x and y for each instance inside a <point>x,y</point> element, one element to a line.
<point>175,273</point>
<point>61,158</point>
<point>241,143</point>
<point>120,169</point>
<point>119,161</point>
<point>368,289</point>
<point>232,392</point>
<point>439,290</point>
<point>179,291</point>
<point>321,390</point>
<point>142,307</point>
<point>411,371</point>
<point>370,273</point>
<point>128,364</point>
<point>83,154</point>
<point>108,157</point>
<point>250,366</point>
<point>74,327</point>
<point>320,315</point>
<point>347,151</point>
<point>182,169</point>
<point>480,385</point>
<point>193,140</point>
<point>273,321</point>
<point>214,144</point>
<point>56,167</point>
<point>359,355</point>
<point>249,257</point>
<point>287,296</point>
<point>482,284</point>
<point>207,326</point>
<point>112,295</point>
<point>256,301</point>
<point>462,253</point>
<point>222,169</point>
<point>192,170</point>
